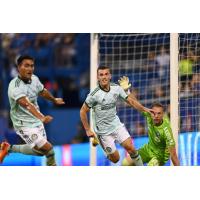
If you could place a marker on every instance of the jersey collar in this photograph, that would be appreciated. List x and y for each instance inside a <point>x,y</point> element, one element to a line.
<point>160,124</point>
<point>104,89</point>
<point>26,81</point>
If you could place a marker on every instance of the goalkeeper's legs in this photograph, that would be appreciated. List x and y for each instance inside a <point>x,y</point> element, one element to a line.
<point>134,155</point>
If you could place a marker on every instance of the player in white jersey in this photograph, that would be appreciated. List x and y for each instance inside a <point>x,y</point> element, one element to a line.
<point>106,123</point>
<point>25,114</point>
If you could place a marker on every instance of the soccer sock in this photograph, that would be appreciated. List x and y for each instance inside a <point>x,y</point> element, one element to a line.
<point>136,159</point>
<point>25,149</point>
<point>51,158</point>
<point>126,163</point>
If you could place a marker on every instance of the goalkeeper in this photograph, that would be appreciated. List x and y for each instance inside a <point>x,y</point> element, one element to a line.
<point>161,145</point>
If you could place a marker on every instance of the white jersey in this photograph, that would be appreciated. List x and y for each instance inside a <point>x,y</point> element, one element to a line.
<point>20,116</point>
<point>104,113</point>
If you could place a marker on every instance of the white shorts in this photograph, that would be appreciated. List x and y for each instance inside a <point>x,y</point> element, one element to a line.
<point>33,136</point>
<point>108,141</point>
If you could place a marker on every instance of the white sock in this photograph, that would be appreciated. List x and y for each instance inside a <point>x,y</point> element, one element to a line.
<point>137,160</point>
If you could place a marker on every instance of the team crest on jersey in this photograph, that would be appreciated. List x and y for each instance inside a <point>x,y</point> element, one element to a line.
<point>108,149</point>
<point>34,137</point>
<point>157,136</point>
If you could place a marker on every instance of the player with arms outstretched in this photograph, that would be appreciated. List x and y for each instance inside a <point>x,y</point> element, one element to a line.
<point>161,145</point>
<point>102,100</point>
<point>25,115</point>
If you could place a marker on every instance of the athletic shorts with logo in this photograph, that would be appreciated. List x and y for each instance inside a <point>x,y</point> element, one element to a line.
<point>108,141</point>
<point>35,136</point>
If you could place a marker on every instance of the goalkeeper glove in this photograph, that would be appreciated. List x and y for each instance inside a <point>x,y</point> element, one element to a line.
<point>124,83</point>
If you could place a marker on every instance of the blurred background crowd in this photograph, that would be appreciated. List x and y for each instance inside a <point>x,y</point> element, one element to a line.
<point>62,62</point>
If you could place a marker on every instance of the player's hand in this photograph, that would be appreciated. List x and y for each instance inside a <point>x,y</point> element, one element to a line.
<point>90,133</point>
<point>150,111</point>
<point>95,141</point>
<point>124,83</point>
<point>46,119</point>
<point>59,101</point>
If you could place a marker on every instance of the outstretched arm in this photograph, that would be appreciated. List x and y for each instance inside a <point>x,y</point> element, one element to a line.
<point>47,95</point>
<point>174,157</point>
<point>25,103</point>
<point>132,101</point>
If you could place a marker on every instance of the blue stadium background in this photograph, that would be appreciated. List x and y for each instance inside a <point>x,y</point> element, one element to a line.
<point>63,65</point>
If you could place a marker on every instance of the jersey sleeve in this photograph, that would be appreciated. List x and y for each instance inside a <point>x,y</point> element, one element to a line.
<point>122,93</point>
<point>90,101</point>
<point>170,142</point>
<point>39,85</point>
<point>17,92</point>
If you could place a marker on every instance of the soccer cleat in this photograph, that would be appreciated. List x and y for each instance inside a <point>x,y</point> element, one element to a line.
<point>4,150</point>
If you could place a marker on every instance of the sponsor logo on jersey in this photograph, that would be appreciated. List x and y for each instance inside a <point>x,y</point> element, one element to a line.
<point>107,106</point>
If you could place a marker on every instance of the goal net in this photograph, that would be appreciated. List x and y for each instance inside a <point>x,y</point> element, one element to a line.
<point>189,97</point>
<point>145,59</point>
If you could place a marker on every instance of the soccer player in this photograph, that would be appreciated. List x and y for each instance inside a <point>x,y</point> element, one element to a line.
<point>161,145</point>
<point>107,126</point>
<point>25,115</point>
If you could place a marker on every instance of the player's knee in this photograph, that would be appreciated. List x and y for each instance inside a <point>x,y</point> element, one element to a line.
<point>131,150</point>
<point>114,157</point>
<point>46,147</point>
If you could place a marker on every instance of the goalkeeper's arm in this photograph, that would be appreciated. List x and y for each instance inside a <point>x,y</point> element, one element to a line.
<point>124,83</point>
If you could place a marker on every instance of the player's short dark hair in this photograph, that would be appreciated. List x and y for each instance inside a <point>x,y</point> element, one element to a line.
<point>102,67</point>
<point>24,57</point>
<point>157,104</point>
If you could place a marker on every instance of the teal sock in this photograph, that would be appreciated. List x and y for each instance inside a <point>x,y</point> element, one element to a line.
<point>24,149</point>
<point>137,160</point>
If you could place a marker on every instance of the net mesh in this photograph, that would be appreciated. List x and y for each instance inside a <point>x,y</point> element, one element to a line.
<point>189,82</point>
<point>145,59</point>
